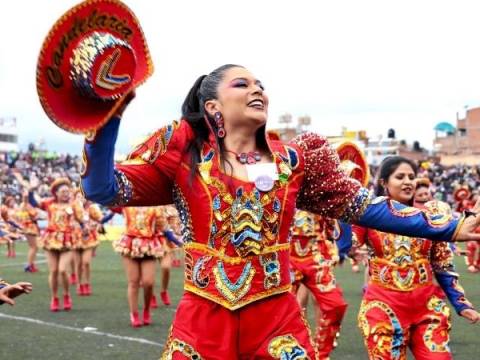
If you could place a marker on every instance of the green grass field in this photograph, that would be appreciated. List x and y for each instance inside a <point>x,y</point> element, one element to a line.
<point>30,331</point>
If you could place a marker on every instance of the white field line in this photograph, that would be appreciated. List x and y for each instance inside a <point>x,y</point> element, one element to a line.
<point>40,255</point>
<point>21,264</point>
<point>71,328</point>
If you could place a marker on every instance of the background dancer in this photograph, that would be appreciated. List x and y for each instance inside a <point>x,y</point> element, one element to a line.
<point>402,307</point>
<point>58,239</point>
<point>139,249</point>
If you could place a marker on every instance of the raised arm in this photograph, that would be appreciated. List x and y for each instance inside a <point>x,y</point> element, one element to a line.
<point>327,191</point>
<point>145,178</point>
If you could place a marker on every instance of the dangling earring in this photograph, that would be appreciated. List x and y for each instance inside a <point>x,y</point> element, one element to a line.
<point>219,121</point>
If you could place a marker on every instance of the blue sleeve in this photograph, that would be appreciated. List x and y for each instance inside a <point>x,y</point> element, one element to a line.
<point>98,176</point>
<point>14,224</point>
<point>32,200</point>
<point>393,217</point>
<point>342,234</point>
<point>172,238</point>
<point>107,217</point>
<point>454,292</point>
<point>444,269</point>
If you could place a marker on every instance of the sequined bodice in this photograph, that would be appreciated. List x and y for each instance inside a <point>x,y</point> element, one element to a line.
<point>60,217</point>
<point>140,221</point>
<point>232,227</point>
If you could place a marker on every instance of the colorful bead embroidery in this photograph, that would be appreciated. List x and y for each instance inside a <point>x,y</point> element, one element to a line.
<point>162,139</point>
<point>233,291</point>
<point>184,214</point>
<point>182,347</point>
<point>439,307</point>
<point>286,347</point>
<point>389,338</point>
<point>271,269</point>
<point>356,209</point>
<point>125,189</point>
<point>200,277</point>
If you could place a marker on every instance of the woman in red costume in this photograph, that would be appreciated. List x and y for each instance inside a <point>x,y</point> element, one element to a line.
<point>236,193</point>
<point>89,241</point>
<point>9,215</point>
<point>313,257</point>
<point>464,201</point>
<point>139,249</point>
<point>27,216</point>
<point>79,236</point>
<point>402,306</point>
<point>165,232</point>
<point>58,239</point>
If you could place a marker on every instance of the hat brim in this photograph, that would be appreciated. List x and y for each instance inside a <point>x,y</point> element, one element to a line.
<point>62,102</point>
<point>57,183</point>
<point>349,151</point>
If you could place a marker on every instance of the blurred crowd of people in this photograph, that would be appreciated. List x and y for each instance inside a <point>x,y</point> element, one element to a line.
<point>46,167</point>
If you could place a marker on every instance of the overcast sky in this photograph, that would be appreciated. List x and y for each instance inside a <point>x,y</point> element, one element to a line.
<point>369,65</point>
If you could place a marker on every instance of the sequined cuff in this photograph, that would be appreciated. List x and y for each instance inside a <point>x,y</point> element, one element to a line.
<point>125,189</point>
<point>357,207</point>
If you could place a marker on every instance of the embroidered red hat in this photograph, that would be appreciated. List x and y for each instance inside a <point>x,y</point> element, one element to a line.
<point>93,56</point>
<point>59,182</point>
<point>353,162</point>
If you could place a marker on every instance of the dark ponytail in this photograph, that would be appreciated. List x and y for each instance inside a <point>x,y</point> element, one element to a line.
<point>193,111</point>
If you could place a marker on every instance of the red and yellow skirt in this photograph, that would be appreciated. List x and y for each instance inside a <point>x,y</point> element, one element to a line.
<point>57,240</point>
<point>139,247</point>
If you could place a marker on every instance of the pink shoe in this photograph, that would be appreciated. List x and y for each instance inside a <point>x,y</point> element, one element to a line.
<point>147,318</point>
<point>134,320</point>
<point>34,268</point>
<point>67,303</point>
<point>73,279</point>
<point>165,297</point>
<point>176,263</point>
<point>153,302</point>
<point>87,290</point>
<point>80,290</point>
<point>54,304</point>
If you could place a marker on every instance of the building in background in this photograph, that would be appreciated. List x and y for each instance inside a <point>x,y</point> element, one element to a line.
<point>462,139</point>
<point>375,149</point>
<point>460,143</point>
